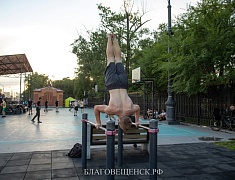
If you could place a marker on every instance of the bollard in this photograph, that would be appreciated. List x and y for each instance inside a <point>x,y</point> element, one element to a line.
<point>153,130</point>
<point>84,140</point>
<point>120,146</point>
<point>110,154</point>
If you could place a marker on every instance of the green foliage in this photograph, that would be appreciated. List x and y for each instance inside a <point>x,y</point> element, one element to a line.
<point>91,51</point>
<point>200,53</point>
<point>91,62</point>
<point>67,85</point>
<point>34,81</point>
<point>228,144</point>
<point>203,47</point>
<point>152,57</point>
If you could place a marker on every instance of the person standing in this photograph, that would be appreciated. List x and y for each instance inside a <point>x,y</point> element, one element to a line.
<point>56,105</point>
<point>46,106</point>
<point>71,105</point>
<point>75,104</point>
<point>1,98</point>
<point>81,104</point>
<point>4,107</point>
<point>30,106</point>
<point>38,108</point>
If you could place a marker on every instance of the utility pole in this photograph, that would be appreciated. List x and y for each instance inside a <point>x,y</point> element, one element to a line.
<point>170,103</point>
<point>127,11</point>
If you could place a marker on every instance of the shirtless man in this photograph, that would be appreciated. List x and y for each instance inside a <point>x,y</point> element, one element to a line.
<point>116,82</point>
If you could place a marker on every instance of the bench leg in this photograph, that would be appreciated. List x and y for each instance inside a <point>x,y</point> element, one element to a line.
<point>144,147</point>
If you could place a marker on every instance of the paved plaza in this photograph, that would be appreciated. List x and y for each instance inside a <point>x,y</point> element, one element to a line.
<point>38,151</point>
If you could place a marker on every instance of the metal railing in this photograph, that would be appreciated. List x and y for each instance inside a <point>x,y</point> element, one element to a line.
<point>110,145</point>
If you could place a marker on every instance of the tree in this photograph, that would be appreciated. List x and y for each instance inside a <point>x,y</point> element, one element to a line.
<point>67,85</point>
<point>128,27</point>
<point>91,62</point>
<point>91,51</point>
<point>151,55</point>
<point>203,47</point>
<point>34,81</point>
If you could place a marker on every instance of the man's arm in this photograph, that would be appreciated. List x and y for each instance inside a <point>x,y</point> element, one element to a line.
<point>97,110</point>
<point>137,113</point>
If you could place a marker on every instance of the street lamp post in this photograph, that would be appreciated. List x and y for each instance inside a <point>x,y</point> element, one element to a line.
<point>127,11</point>
<point>170,103</point>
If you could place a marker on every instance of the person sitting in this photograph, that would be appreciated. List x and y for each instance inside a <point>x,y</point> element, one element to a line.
<point>162,115</point>
<point>232,110</point>
<point>150,113</point>
<point>116,82</point>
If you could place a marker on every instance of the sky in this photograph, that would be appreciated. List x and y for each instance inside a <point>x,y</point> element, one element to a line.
<point>45,29</point>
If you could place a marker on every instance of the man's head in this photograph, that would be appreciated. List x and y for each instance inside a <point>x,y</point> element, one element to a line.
<point>232,108</point>
<point>125,123</point>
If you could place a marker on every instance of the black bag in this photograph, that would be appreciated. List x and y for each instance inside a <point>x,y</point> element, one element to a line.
<point>76,151</point>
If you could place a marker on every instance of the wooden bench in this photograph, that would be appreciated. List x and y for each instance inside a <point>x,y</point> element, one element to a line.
<point>135,135</point>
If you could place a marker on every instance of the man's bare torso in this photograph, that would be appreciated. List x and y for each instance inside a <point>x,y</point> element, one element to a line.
<point>120,103</point>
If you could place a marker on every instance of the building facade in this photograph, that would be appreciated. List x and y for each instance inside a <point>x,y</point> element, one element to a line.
<point>50,94</point>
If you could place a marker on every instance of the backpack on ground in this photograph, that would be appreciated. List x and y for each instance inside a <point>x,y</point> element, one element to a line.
<point>76,151</point>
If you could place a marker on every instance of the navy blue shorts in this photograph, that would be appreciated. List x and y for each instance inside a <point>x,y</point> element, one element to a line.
<point>115,76</point>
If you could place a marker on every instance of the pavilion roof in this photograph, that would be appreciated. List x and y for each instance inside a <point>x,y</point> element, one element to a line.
<point>14,64</point>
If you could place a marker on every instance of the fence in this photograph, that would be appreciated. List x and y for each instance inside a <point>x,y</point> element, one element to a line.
<point>195,109</point>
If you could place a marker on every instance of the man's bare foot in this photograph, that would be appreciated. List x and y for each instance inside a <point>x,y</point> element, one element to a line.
<point>109,35</point>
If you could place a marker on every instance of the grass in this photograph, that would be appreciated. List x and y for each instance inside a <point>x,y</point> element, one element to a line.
<point>228,144</point>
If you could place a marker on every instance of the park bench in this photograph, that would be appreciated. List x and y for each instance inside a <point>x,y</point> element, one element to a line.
<point>135,135</point>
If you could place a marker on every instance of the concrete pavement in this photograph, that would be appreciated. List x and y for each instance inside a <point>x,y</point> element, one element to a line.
<point>38,151</point>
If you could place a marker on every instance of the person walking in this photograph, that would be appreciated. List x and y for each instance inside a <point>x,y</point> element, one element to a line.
<point>38,108</point>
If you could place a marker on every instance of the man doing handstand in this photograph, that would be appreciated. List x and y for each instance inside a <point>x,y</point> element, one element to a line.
<point>116,82</point>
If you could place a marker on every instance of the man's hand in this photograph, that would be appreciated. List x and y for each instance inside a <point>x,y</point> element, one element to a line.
<point>98,125</point>
<point>136,124</point>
